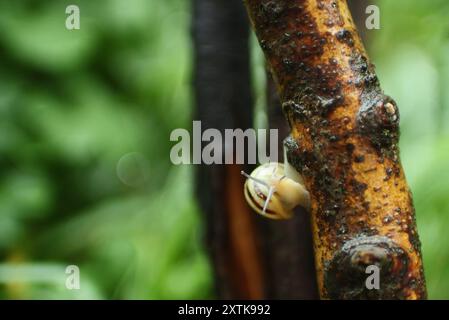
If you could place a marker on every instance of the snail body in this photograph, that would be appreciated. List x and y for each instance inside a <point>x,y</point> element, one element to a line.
<point>274,189</point>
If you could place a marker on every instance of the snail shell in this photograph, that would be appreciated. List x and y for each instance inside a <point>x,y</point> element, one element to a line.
<point>273,190</point>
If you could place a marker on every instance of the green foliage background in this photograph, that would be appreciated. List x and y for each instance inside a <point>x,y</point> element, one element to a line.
<point>85,119</point>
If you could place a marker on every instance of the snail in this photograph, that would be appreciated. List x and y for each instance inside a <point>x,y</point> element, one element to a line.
<point>274,189</point>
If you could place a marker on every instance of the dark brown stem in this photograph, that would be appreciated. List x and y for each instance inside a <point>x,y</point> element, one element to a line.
<point>223,100</point>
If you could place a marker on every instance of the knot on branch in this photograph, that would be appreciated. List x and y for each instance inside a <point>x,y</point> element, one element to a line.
<point>346,274</point>
<point>378,120</point>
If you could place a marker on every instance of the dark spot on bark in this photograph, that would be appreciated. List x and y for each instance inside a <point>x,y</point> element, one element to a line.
<point>366,204</point>
<point>272,8</point>
<point>387,219</point>
<point>397,171</point>
<point>345,36</point>
<point>364,72</point>
<point>320,5</point>
<point>329,104</point>
<point>333,138</point>
<point>350,148</point>
<point>288,65</point>
<point>298,157</point>
<point>299,111</point>
<point>388,172</point>
<point>264,45</point>
<point>358,187</point>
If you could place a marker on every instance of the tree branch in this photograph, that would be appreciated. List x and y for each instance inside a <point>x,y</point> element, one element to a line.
<point>344,140</point>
